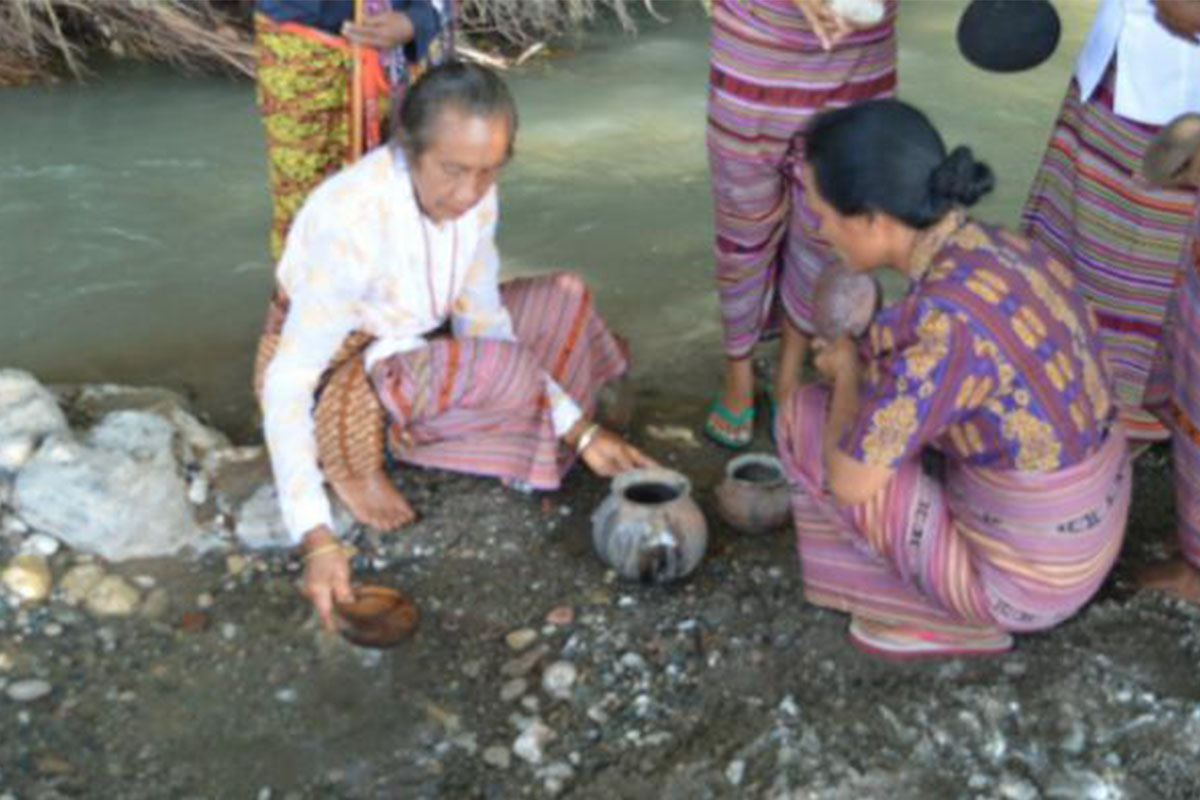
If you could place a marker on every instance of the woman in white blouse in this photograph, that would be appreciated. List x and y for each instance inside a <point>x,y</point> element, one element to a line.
<point>1139,68</point>
<point>399,251</point>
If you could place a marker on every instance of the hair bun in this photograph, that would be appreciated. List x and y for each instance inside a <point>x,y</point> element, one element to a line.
<point>960,179</point>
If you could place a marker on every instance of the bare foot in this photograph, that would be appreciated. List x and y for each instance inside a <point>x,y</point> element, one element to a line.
<point>374,501</point>
<point>1175,577</point>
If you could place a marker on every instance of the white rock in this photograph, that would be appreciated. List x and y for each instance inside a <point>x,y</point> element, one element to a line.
<point>497,756</point>
<point>14,525</point>
<point>558,680</point>
<point>41,544</point>
<point>120,494</point>
<point>521,638</point>
<point>859,12</point>
<point>529,746</point>
<point>27,576</point>
<point>735,772</point>
<point>204,601</point>
<point>112,596</point>
<point>79,581</point>
<point>28,412</point>
<point>28,690</point>
<point>198,489</point>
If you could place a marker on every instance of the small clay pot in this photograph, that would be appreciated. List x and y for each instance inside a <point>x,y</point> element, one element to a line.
<point>844,302</point>
<point>649,528</point>
<point>754,497</point>
<point>379,616</point>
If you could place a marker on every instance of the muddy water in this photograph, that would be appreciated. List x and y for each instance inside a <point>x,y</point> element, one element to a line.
<point>133,209</point>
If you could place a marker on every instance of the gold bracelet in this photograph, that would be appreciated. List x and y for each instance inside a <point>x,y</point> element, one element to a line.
<point>347,549</point>
<point>586,437</point>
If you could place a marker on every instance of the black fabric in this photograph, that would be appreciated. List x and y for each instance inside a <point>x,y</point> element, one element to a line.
<point>1008,35</point>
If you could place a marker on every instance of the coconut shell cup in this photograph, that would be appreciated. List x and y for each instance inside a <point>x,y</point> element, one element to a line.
<point>844,302</point>
<point>378,617</point>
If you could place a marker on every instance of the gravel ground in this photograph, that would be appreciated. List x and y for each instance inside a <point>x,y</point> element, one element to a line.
<point>535,672</point>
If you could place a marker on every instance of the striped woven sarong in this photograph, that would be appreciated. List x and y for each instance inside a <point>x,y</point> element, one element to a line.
<point>985,549</point>
<point>303,77</point>
<point>768,76</point>
<point>1124,238</point>
<point>1174,393</point>
<point>480,405</point>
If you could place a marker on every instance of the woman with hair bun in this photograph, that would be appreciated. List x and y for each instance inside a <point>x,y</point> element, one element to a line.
<point>963,476</point>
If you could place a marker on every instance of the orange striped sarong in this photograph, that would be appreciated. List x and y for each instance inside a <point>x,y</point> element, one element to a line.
<point>981,548</point>
<point>480,405</point>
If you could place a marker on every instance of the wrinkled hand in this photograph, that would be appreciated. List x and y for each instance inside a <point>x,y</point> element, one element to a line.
<point>382,31</point>
<point>326,576</point>
<point>826,24</point>
<point>836,359</point>
<point>1180,17</point>
<point>608,455</point>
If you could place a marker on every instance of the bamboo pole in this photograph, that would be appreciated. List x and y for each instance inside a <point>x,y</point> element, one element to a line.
<point>356,91</point>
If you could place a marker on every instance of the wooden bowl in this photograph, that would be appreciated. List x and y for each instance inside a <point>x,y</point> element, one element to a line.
<point>379,617</point>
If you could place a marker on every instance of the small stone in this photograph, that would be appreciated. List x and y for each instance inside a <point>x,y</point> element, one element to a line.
<point>79,581</point>
<point>146,582</point>
<point>522,664</point>
<point>529,746</point>
<point>530,703</point>
<point>41,544</point>
<point>204,601</point>
<point>51,765</point>
<point>513,689</point>
<point>193,622</point>
<point>27,576</point>
<point>28,690</point>
<point>521,638</point>
<point>556,776</point>
<point>112,597</point>
<point>53,630</point>
<point>14,525</point>
<point>558,680</point>
<point>264,793</point>
<point>497,756</point>
<point>286,695</point>
<point>156,604</point>
<point>235,564</point>
<point>229,631</point>
<point>735,772</point>
<point>561,616</point>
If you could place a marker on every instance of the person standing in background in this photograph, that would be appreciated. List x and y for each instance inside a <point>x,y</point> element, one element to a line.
<point>1139,68</point>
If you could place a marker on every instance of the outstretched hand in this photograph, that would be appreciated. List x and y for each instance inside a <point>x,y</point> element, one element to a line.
<point>607,454</point>
<point>326,574</point>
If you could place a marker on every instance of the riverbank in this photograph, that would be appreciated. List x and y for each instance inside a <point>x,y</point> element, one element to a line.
<point>211,680</point>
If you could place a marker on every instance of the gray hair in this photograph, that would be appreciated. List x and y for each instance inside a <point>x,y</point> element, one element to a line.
<point>475,90</point>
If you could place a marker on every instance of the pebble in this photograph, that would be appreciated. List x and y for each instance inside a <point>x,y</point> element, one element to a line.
<point>558,680</point>
<point>14,524</point>
<point>204,601</point>
<point>229,631</point>
<point>555,777</point>
<point>27,576</point>
<point>735,772</point>
<point>522,664</point>
<point>235,564</point>
<point>521,638</point>
<point>42,544</point>
<point>513,689</point>
<point>112,596</point>
<point>79,581</point>
<point>53,630</point>
<point>156,603</point>
<point>560,616</point>
<point>497,756</point>
<point>529,746</point>
<point>193,622</point>
<point>286,695</point>
<point>28,690</point>
<point>144,581</point>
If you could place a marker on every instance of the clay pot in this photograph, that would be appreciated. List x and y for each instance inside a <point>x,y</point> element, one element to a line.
<point>649,528</point>
<point>844,302</point>
<point>754,497</point>
<point>379,617</point>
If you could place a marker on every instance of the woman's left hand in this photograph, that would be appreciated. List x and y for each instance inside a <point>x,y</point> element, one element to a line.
<point>607,454</point>
<point>383,31</point>
<point>836,359</point>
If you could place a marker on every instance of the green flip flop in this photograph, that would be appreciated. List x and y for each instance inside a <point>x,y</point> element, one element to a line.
<point>742,423</point>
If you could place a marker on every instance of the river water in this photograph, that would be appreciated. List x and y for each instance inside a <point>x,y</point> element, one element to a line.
<point>134,210</point>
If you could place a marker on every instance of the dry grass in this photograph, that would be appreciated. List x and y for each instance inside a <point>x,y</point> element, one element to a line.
<point>47,39</point>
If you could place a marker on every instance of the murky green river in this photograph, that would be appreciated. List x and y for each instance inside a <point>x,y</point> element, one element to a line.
<point>133,209</point>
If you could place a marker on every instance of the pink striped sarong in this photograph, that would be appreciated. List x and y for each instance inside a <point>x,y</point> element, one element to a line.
<point>480,405</point>
<point>985,549</point>
<point>1174,393</point>
<point>768,76</point>
<point>1124,239</point>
